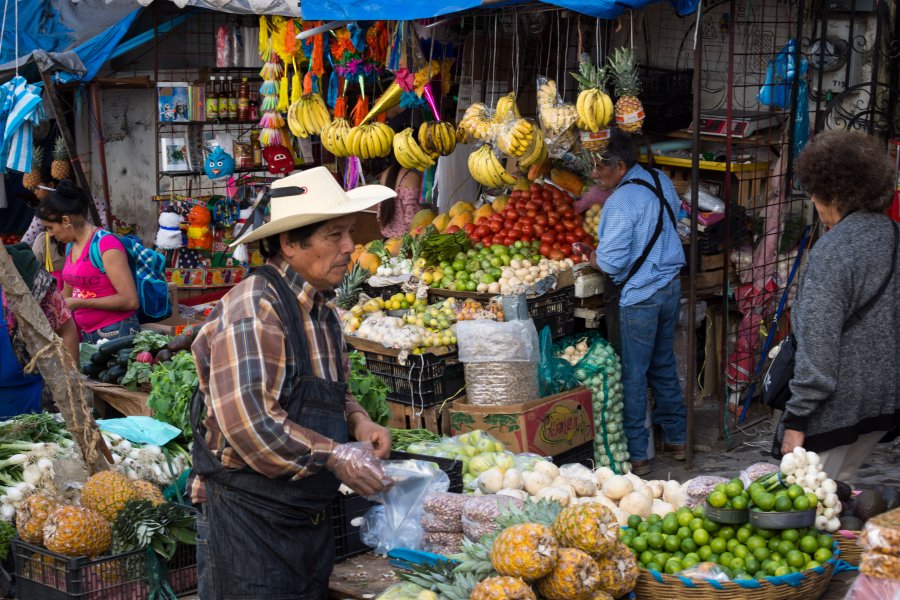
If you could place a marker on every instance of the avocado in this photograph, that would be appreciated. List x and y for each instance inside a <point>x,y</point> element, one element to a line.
<point>891,496</point>
<point>851,523</point>
<point>844,491</point>
<point>180,342</point>
<point>868,504</point>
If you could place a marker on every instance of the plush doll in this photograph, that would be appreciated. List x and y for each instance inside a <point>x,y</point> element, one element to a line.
<point>279,159</point>
<point>219,164</point>
<point>240,253</point>
<point>169,235</point>
<point>199,234</point>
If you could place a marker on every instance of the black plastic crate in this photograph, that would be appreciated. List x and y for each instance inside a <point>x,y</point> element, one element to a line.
<point>712,240</point>
<point>384,292</point>
<point>346,508</point>
<point>668,98</point>
<point>425,379</point>
<point>556,310</point>
<point>45,575</point>
<point>583,454</point>
<point>560,325</point>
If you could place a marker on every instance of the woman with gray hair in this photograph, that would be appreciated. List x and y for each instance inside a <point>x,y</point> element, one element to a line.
<point>845,392</point>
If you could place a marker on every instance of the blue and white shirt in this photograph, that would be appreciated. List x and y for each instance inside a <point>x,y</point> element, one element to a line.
<point>626,225</point>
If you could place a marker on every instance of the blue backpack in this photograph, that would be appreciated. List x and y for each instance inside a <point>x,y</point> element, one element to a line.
<point>148,268</point>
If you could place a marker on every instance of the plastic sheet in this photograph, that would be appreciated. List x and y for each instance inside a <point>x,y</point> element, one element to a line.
<point>555,375</point>
<point>397,522</point>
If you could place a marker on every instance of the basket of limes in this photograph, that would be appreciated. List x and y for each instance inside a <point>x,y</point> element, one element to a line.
<point>687,555</point>
<point>776,506</point>
<point>728,503</point>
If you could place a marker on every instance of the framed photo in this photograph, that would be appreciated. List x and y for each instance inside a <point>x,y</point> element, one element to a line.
<point>175,154</point>
<point>173,102</point>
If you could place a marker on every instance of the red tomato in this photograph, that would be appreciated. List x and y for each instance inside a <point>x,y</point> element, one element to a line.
<point>511,214</point>
<point>556,254</point>
<point>527,221</point>
<point>538,230</point>
<point>553,214</point>
<point>567,211</point>
<point>496,226</point>
<point>570,237</point>
<point>569,224</point>
<point>548,237</point>
<point>515,194</point>
<point>540,219</point>
<point>496,217</point>
<point>526,236</point>
<point>452,229</point>
<point>547,194</point>
<point>482,231</point>
<point>576,258</point>
<point>481,221</point>
<point>531,214</point>
<point>559,227</point>
<point>470,229</point>
<point>535,187</point>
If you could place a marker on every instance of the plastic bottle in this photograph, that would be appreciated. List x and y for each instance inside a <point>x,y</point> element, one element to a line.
<point>243,107</point>
<point>223,99</point>
<point>232,100</point>
<point>212,100</point>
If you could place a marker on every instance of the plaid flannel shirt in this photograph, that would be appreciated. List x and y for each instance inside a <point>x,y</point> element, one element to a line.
<point>241,361</point>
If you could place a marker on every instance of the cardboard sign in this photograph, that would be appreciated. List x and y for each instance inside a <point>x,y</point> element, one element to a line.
<point>547,426</point>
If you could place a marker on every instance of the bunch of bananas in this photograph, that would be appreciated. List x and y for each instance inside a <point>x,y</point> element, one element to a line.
<point>308,116</point>
<point>437,137</point>
<point>516,137</point>
<point>556,116</point>
<point>537,154</point>
<point>334,137</point>
<point>408,152</point>
<point>506,106</point>
<point>372,140</point>
<point>476,124</point>
<point>487,169</point>
<point>595,110</point>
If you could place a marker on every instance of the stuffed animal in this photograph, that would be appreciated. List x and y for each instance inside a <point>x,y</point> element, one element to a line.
<point>168,237</point>
<point>240,253</point>
<point>199,234</point>
<point>219,164</point>
<point>279,159</point>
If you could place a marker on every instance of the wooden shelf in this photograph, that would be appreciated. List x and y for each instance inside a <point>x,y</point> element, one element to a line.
<point>198,172</point>
<point>754,140</point>
<point>706,165</point>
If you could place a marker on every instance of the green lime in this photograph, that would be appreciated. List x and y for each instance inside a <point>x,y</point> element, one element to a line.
<point>684,532</point>
<point>673,566</point>
<point>791,535</point>
<point>782,571</point>
<point>655,528</point>
<point>784,547</point>
<point>756,541</point>
<point>713,558</point>
<point>813,499</point>
<point>767,534</point>
<point>717,545</point>
<point>743,534</point>
<point>783,504</point>
<point>670,525</point>
<point>795,491</point>
<point>699,511</point>
<point>812,565</point>
<point>737,563</point>
<point>643,527</point>
<point>711,526</point>
<point>689,561</point>
<point>655,540</point>
<point>679,555</point>
<point>700,537</point>
<point>751,564</point>
<point>741,551</point>
<point>726,533</point>
<point>739,503</point>
<point>696,523</point>
<point>652,566</point>
<point>662,557</point>
<point>761,554</point>
<point>634,521</point>
<point>704,552</point>
<point>732,544</point>
<point>647,556</point>
<point>725,559</point>
<point>717,499</point>
<point>822,555</point>
<point>826,541</point>
<point>719,487</point>
<point>766,502</point>
<point>654,519</point>
<point>795,558</point>
<point>672,543</point>
<point>639,544</point>
<point>809,544</point>
<point>734,489</point>
<point>755,488</point>
<point>776,557</point>
<point>688,545</point>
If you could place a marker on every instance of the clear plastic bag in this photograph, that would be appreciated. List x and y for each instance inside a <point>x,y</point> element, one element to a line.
<point>481,512</point>
<point>706,202</point>
<point>396,522</point>
<point>517,137</point>
<point>705,571</point>
<point>444,543</point>
<point>882,566</point>
<point>882,533</point>
<point>406,590</point>
<point>490,341</point>
<point>477,124</point>
<point>872,588</point>
<point>555,115</point>
<point>698,488</point>
<point>442,512</point>
<point>755,471</point>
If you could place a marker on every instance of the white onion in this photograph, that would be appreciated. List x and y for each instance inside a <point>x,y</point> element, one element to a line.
<point>7,512</point>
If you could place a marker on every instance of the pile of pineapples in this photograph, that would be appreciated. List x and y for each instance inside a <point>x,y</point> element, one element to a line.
<point>568,553</point>
<point>84,530</point>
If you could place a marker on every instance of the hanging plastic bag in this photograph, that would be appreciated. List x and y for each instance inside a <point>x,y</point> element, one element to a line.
<point>776,90</point>
<point>396,521</point>
<point>554,374</point>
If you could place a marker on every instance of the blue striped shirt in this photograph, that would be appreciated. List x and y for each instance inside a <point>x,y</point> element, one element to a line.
<point>20,111</point>
<point>626,225</point>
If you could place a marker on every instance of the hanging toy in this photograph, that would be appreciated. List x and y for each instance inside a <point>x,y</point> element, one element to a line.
<point>168,237</point>
<point>279,159</point>
<point>225,213</point>
<point>219,164</point>
<point>199,234</point>
<point>241,253</point>
<point>272,123</point>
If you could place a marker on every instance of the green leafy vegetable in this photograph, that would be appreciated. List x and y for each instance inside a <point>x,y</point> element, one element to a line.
<point>149,341</point>
<point>7,533</point>
<point>401,439</point>
<point>173,385</point>
<point>137,374</point>
<point>369,391</point>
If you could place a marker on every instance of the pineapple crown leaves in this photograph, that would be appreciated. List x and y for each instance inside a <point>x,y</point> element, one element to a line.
<point>140,525</point>
<point>441,577</point>
<point>406,244</point>
<point>475,557</point>
<point>59,149</point>
<point>378,249</point>
<point>623,69</point>
<point>543,512</point>
<point>347,293</point>
<point>589,75</point>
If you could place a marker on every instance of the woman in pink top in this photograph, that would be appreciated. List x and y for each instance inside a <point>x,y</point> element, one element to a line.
<point>103,304</point>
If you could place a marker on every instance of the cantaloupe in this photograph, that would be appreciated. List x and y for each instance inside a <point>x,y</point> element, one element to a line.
<point>482,211</point>
<point>460,220</point>
<point>567,180</point>
<point>441,221</point>
<point>461,207</point>
<point>369,262</point>
<point>500,203</point>
<point>392,245</point>
<point>423,218</point>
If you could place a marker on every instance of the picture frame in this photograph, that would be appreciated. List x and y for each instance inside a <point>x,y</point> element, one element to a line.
<point>175,155</point>
<point>173,102</point>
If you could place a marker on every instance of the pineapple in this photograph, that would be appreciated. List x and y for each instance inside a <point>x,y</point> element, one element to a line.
<point>601,595</point>
<point>575,577</point>
<point>589,527</point>
<point>351,286</point>
<point>502,588</point>
<point>59,168</point>
<point>527,551</point>
<point>149,491</point>
<point>33,178</point>
<point>441,577</point>
<point>543,512</point>
<point>31,516</point>
<point>618,570</point>
<point>629,110</point>
<point>107,492</point>
<point>77,531</point>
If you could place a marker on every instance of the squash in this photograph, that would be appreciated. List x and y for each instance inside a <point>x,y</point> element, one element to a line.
<point>636,503</point>
<point>567,180</point>
<point>461,207</point>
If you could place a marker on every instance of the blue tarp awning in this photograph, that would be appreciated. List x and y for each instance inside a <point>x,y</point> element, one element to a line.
<point>404,10</point>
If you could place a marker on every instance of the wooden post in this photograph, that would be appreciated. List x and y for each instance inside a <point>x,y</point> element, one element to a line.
<point>70,395</point>
<point>52,102</point>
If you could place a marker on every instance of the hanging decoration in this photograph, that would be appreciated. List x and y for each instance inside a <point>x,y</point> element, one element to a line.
<point>219,164</point>
<point>272,123</point>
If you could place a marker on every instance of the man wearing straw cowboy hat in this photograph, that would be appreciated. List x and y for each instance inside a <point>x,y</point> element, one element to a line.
<point>274,444</point>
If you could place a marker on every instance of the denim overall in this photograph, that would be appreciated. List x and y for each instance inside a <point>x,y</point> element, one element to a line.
<point>260,538</point>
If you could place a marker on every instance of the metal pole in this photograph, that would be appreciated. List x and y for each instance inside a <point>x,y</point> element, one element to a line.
<point>692,249</point>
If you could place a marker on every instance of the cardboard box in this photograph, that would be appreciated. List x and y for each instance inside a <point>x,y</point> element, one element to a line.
<point>171,326</point>
<point>547,426</point>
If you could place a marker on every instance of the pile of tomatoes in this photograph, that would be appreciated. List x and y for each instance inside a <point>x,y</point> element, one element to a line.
<point>544,213</point>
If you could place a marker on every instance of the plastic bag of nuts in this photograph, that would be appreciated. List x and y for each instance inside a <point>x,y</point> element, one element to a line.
<point>442,512</point>
<point>480,514</point>
<point>442,543</point>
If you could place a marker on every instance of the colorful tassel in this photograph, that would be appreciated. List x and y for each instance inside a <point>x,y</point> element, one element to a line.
<point>340,107</point>
<point>264,47</point>
<point>290,37</point>
<point>283,103</point>
<point>317,62</point>
<point>269,103</point>
<point>307,83</point>
<point>360,110</point>
<point>332,96</point>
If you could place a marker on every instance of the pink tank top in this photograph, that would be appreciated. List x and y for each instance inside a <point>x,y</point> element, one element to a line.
<point>87,281</point>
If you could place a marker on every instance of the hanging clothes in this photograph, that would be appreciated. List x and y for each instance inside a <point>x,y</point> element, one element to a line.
<point>21,109</point>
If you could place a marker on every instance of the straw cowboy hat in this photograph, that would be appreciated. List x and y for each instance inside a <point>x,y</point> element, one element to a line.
<point>313,196</point>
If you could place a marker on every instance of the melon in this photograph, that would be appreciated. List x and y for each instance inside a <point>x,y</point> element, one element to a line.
<point>460,220</point>
<point>369,262</point>
<point>393,246</point>
<point>441,221</point>
<point>483,211</point>
<point>500,202</point>
<point>461,207</point>
<point>423,218</point>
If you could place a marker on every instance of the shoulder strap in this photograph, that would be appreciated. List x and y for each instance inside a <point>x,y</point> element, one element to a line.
<point>663,207</point>
<point>94,249</point>
<point>860,312</point>
<point>288,311</point>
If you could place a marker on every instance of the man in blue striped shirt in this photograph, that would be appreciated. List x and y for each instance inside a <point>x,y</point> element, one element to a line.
<point>650,292</point>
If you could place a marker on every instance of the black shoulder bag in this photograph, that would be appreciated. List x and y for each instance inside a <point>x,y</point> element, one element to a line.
<point>775,389</point>
<point>612,291</point>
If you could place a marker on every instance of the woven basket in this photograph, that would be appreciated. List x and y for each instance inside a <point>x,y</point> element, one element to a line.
<point>851,551</point>
<point>673,587</point>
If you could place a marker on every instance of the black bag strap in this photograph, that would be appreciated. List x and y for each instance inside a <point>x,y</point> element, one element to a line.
<point>860,312</point>
<point>663,206</point>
